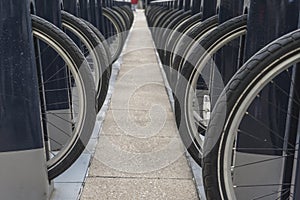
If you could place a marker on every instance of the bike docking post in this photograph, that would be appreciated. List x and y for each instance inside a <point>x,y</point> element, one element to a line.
<point>187,5</point>
<point>105,23</point>
<point>51,68</point>
<point>227,58</point>
<point>208,8</point>
<point>101,24</point>
<point>71,6</point>
<point>175,4</point>
<point>180,4</point>
<point>268,20</point>
<point>112,30</point>
<point>84,9</point>
<point>108,26</point>
<point>94,18</point>
<point>196,5</point>
<point>23,164</point>
<point>171,4</point>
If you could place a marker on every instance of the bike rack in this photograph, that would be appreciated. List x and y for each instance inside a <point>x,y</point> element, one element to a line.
<point>180,4</point>
<point>94,17</point>
<point>21,145</point>
<point>84,10</point>
<point>208,8</point>
<point>108,27</point>
<point>71,6</point>
<point>196,5</point>
<point>187,5</point>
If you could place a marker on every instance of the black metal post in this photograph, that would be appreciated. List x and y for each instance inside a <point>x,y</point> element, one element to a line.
<point>21,144</point>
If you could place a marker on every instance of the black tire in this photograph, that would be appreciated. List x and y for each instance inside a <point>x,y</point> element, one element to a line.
<point>69,20</point>
<point>237,96</point>
<point>164,25</point>
<point>208,46</point>
<point>159,23</point>
<point>55,35</point>
<point>151,11</point>
<point>160,14</point>
<point>117,17</point>
<point>110,16</point>
<point>129,13</point>
<point>168,30</point>
<point>156,16</point>
<point>123,17</point>
<point>175,37</point>
<point>106,72</point>
<point>185,43</point>
<point>103,42</point>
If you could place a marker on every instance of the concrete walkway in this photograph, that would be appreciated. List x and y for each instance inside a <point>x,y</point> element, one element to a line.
<point>139,153</point>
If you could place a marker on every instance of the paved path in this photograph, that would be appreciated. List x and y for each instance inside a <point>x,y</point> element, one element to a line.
<point>139,154</point>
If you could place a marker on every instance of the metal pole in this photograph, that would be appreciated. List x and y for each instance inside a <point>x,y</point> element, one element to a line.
<point>209,8</point>
<point>23,172</point>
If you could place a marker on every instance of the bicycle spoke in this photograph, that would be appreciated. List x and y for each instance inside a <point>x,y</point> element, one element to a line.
<point>268,128</point>
<point>52,124</point>
<point>256,138</point>
<point>283,194</point>
<point>261,161</point>
<point>276,106</point>
<point>56,115</point>
<point>50,65</point>
<point>267,195</point>
<point>63,68</point>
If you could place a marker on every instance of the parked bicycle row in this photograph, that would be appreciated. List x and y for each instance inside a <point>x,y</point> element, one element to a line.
<point>233,68</point>
<point>67,49</point>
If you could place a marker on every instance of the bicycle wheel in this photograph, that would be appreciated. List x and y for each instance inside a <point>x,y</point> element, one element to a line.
<point>106,73</point>
<point>174,37</point>
<point>251,147</point>
<point>92,49</point>
<point>164,25</point>
<point>168,30</point>
<point>153,14</point>
<point>157,16</point>
<point>129,13</point>
<point>67,122</point>
<point>199,85</point>
<point>161,22</point>
<point>123,17</point>
<point>104,45</point>
<point>155,19</point>
<point>116,42</point>
<point>186,42</point>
